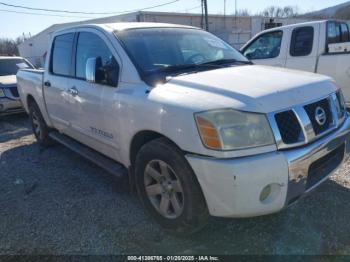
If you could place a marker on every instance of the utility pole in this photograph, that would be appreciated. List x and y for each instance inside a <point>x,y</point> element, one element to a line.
<point>205,3</point>
<point>225,14</point>
<point>236,8</point>
<point>202,14</point>
<point>236,14</point>
<point>225,8</point>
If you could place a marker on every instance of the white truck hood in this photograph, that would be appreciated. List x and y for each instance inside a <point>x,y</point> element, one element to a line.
<point>250,88</point>
<point>8,80</point>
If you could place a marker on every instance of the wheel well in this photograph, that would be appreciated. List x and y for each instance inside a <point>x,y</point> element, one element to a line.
<point>139,140</point>
<point>30,100</point>
<point>142,138</point>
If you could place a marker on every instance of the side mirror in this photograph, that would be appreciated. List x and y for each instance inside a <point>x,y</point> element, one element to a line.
<point>107,74</point>
<point>91,70</point>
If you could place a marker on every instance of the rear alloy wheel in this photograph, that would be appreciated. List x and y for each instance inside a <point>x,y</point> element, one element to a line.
<point>40,129</point>
<point>36,125</point>
<point>168,188</point>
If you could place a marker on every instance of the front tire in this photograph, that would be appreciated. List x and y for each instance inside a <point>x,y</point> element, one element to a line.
<point>40,129</point>
<point>169,189</point>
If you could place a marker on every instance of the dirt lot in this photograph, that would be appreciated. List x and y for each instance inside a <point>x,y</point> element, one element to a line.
<point>54,202</point>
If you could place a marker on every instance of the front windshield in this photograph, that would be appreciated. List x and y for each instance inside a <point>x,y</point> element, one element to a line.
<point>11,66</point>
<point>154,49</point>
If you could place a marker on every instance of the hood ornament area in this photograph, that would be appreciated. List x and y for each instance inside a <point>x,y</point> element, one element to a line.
<point>320,116</point>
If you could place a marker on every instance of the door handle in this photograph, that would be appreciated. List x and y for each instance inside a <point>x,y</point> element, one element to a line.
<point>73,91</point>
<point>47,84</point>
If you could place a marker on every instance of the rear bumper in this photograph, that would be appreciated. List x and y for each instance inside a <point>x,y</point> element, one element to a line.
<point>10,106</point>
<point>233,187</point>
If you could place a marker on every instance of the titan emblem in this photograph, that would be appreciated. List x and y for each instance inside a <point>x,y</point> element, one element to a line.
<point>320,116</point>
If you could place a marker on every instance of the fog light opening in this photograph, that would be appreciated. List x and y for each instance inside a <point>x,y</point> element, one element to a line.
<point>270,193</point>
<point>265,193</point>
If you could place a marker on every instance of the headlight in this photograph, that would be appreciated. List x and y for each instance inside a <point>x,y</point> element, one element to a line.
<point>2,94</point>
<point>230,129</point>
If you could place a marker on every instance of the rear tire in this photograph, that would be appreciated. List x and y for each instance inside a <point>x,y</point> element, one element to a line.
<point>168,188</point>
<point>40,129</point>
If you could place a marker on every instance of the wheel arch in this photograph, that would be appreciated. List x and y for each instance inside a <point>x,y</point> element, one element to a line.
<point>143,137</point>
<point>30,99</point>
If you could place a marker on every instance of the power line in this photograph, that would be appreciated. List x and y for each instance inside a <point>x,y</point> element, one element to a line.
<point>189,9</point>
<point>86,13</point>
<point>30,13</point>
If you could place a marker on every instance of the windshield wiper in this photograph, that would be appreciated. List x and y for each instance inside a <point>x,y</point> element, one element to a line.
<point>227,61</point>
<point>181,68</point>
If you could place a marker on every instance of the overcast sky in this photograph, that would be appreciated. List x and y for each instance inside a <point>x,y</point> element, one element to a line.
<point>14,24</point>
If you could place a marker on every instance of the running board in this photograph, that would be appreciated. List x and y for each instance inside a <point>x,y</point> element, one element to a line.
<point>111,166</point>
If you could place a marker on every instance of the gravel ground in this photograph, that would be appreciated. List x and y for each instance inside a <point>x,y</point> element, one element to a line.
<point>53,201</point>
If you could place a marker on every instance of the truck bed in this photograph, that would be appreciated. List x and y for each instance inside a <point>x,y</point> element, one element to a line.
<point>30,81</point>
<point>339,48</point>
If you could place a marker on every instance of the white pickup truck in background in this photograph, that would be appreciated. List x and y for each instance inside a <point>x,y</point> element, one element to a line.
<point>321,47</point>
<point>187,119</point>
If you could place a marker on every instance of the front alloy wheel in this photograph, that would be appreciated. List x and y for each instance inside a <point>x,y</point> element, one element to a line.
<point>168,188</point>
<point>164,189</point>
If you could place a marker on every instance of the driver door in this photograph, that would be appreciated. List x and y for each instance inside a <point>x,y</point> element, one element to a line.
<point>92,102</point>
<point>268,49</point>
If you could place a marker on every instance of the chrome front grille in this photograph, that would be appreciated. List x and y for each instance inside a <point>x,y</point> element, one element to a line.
<point>311,111</point>
<point>303,124</point>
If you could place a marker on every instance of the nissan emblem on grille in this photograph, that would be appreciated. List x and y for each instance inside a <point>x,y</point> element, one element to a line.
<point>320,116</point>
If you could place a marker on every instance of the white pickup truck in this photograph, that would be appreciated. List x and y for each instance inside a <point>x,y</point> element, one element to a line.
<point>321,47</point>
<point>187,119</point>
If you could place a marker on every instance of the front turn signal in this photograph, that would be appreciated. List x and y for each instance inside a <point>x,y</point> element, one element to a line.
<point>208,133</point>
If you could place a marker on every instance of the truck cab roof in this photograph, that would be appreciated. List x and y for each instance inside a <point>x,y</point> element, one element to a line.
<point>112,27</point>
<point>311,23</point>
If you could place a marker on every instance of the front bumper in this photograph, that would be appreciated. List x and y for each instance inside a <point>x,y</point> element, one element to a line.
<point>10,106</point>
<point>233,187</point>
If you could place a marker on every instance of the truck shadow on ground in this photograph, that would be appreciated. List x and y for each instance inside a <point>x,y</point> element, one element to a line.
<point>55,202</point>
<point>12,127</point>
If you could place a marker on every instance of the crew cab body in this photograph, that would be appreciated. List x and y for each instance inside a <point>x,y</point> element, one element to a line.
<point>321,47</point>
<point>255,137</point>
<point>10,102</point>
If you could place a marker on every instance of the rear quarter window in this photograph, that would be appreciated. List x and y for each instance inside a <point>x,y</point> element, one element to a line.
<point>302,41</point>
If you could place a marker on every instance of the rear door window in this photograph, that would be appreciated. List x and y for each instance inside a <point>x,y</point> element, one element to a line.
<point>61,58</point>
<point>345,37</point>
<point>302,41</point>
<point>333,33</point>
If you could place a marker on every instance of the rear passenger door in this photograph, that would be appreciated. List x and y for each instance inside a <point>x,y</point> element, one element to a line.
<point>56,80</point>
<point>303,51</point>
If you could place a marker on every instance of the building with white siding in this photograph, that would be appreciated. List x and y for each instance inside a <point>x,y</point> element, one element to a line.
<point>234,30</point>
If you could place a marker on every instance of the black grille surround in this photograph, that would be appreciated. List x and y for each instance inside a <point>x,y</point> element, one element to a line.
<point>14,91</point>
<point>311,112</point>
<point>289,127</point>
